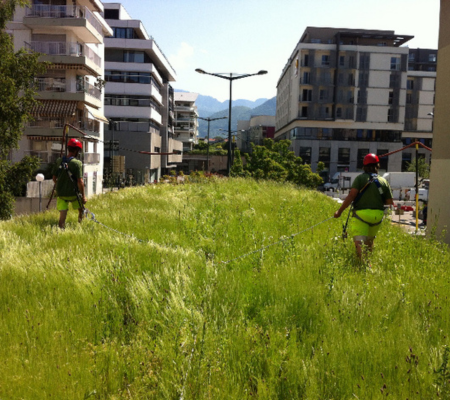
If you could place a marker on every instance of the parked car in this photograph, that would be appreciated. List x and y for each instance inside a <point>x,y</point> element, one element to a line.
<point>341,180</point>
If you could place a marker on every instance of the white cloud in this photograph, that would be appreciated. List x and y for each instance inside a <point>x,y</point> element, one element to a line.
<point>183,56</point>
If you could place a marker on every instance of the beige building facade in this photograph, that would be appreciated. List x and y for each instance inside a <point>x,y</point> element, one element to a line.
<point>345,93</point>
<point>70,36</point>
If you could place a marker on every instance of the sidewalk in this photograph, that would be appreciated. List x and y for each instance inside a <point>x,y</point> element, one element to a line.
<point>408,222</point>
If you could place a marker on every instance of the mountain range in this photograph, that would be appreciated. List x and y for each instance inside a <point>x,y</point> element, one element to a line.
<point>209,107</point>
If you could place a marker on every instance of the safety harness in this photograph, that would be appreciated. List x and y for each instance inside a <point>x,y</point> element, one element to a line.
<point>65,167</point>
<point>373,179</point>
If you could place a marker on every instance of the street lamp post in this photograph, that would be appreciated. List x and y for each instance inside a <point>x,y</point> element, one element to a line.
<point>235,142</point>
<point>207,149</point>
<point>40,178</point>
<point>230,77</point>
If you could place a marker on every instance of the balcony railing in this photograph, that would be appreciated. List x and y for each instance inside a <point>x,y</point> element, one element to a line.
<point>51,11</point>
<point>50,84</point>
<point>91,158</point>
<point>89,89</point>
<point>56,123</point>
<point>66,49</point>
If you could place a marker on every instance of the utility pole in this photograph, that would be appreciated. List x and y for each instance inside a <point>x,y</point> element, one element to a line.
<point>207,143</point>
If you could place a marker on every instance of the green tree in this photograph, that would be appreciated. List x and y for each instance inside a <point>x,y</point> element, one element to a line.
<point>237,169</point>
<point>424,168</point>
<point>17,91</point>
<point>274,161</point>
<point>320,167</point>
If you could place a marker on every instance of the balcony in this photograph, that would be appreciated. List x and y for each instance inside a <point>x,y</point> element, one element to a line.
<point>56,89</point>
<point>53,126</point>
<point>76,19</point>
<point>68,53</point>
<point>133,112</point>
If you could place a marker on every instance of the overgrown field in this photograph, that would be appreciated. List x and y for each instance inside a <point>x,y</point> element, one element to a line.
<point>88,313</point>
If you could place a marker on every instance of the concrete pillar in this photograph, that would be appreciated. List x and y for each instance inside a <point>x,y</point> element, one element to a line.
<point>439,204</point>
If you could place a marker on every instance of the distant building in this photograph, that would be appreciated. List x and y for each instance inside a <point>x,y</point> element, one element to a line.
<point>70,37</point>
<point>138,98</point>
<point>186,119</point>
<point>254,131</point>
<point>344,93</point>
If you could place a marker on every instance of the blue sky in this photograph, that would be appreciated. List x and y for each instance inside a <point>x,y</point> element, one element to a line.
<point>245,36</point>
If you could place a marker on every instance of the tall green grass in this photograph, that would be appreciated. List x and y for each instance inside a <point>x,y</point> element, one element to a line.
<point>88,313</point>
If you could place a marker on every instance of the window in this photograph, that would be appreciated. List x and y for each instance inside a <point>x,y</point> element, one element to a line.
<point>339,112</point>
<point>304,113</point>
<point>363,79</point>
<point>364,60</point>
<point>394,81</point>
<point>132,101</point>
<point>344,156</point>
<point>342,61</point>
<point>395,63</point>
<point>350,80</point>
<point>323,94</point>
<point>410,84</point>
<point>324,155</point>
<point>350,97</point>
<point>382,44</point>
<point>315,41</point>
<point>406,160</point>
<point>306,78</point>
<point>133,56</point>
<point>391,115</point>
<point>307,95</point>
<point>305,155</point>
<point>131,77</point>
<point>325,60</point>
<point>432,57</point>
<point>361,154</point>
<point>361,114</point>
<point>411,57</point>
<point>351,62</point>
<point>124,33</point>
<point>391,97</point>
<point>383,160</point>
<point>111,14</point>
<point>306,60</point>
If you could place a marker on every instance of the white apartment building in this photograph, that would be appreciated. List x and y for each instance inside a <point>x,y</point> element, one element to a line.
<point>69,34</point>
<point>344,93</point>
<point>138,98</point>
<point>186,119</point>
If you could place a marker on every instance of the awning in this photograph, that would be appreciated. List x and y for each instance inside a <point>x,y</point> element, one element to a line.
<point>54,108</point>
<point>97,114</point>
<point>73,66</point>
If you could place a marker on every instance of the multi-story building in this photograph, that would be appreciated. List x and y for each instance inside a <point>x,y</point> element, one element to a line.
<point>69,35</point>
<point>139,100</point>
<point>420,92</point>
<point>344,93</point>
<point>186,119</point>
<point>254,130</point>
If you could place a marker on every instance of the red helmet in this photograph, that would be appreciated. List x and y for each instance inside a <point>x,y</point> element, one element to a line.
<point>371,159</point>
<point>74,143</point>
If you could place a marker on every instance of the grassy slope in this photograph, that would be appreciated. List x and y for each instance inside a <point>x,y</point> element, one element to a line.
<point>89,313</point>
